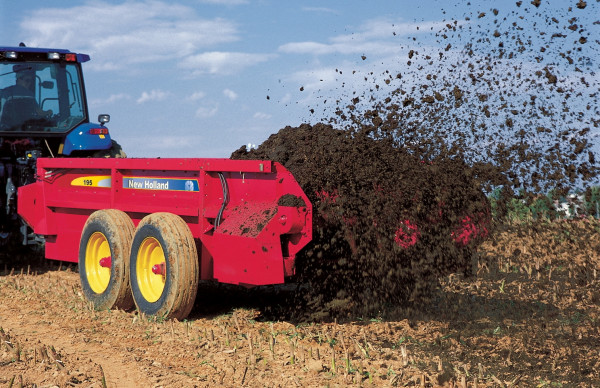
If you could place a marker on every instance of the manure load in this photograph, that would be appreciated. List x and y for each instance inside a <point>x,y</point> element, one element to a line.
<point>387,224</point>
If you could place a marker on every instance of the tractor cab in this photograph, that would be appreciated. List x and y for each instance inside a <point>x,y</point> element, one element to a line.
<point>43,113</point>
<point>43,103</point>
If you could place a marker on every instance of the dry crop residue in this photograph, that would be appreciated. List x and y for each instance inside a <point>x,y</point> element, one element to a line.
<point>530,318</point>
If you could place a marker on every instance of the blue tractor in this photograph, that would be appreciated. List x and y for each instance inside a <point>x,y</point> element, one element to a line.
<point>43,113</point>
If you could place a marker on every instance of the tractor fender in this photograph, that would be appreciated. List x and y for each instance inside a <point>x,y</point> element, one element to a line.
<point>86,137</point>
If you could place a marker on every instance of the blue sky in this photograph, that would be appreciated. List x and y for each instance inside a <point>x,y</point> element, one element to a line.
<point>200,78</point>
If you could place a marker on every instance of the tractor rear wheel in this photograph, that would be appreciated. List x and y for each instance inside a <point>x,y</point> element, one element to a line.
<point>115,151</point>
<point>164,266</point>
<point>104,259</point>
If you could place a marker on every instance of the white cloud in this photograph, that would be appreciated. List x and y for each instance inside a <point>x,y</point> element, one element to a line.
<point>218,62</point>
<point>307,48</point>
<point>196,96</point>
<point>111,99</point>
<point>117,35</point>
<point>160,144</point>
<point>230,94</point>
<point>153,95</point>
<point>224,2</point>
<point>205,112</point>
<point>261,116</point>
<point>374,37</point>
<point>286,98</point>
<point>342,45</point>
<point>319,9</point>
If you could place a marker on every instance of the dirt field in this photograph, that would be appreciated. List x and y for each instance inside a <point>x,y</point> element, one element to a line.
<point>529,317</point>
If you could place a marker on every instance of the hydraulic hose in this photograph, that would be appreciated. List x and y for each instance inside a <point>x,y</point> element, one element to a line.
<point>225,199</point>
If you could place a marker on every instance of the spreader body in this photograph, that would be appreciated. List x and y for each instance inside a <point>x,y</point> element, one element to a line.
<point>248,218</point>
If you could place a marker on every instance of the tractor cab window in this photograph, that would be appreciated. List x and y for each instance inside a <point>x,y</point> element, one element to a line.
<point>40,97</point>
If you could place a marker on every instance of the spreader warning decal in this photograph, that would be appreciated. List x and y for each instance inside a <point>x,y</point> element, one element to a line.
<point>167,184</point>
<point>92,181</point>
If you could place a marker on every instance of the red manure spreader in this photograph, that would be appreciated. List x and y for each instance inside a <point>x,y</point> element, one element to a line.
<point>143,231</point>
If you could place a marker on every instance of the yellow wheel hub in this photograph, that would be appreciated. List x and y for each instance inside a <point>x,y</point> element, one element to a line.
<point>150,269</point>
<point>98,276</point>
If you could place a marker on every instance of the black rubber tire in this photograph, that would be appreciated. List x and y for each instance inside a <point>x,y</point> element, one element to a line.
<point>181,264</point>
<point>117,228</point>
